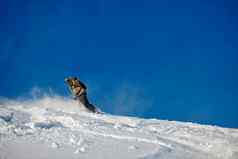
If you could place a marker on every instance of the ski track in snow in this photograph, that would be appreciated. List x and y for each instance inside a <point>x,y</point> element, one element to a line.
<point>66,129</point>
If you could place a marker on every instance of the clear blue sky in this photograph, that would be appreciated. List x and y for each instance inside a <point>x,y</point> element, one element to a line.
<point>175,60</point>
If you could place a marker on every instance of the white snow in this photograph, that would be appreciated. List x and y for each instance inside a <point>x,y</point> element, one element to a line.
<point>55,127</point>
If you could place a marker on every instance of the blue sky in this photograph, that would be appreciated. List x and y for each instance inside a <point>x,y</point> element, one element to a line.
<point>175,60</point>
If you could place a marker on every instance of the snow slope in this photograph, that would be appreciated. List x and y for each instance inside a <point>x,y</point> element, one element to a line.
<point>53,127</point>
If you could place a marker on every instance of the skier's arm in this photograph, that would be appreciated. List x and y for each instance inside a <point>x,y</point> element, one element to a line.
<point>81,91</point>
<point>78,91</point>
<point>82,88</point>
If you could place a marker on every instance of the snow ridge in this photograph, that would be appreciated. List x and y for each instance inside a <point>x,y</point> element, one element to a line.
<point>60,128</point>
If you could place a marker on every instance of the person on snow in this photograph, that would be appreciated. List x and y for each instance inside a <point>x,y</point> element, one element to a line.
<point>79,90</point>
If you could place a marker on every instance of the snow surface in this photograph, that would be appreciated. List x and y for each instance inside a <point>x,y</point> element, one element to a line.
<point>55,127</point>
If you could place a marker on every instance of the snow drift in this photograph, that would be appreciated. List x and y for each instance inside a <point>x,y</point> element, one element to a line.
<point>55,127</point>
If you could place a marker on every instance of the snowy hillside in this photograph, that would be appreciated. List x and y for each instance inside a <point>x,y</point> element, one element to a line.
<point>53,127</point>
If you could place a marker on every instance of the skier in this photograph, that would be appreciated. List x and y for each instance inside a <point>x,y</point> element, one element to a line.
<point>79,90</point>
